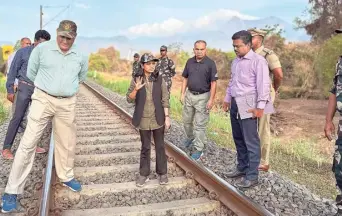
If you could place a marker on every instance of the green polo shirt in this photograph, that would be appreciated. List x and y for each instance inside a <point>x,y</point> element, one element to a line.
<point>55,72</point>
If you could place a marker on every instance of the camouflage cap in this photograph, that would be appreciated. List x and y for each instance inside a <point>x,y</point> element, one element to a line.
<point>148,57</point>
<point>67,28</point>
<point>163,47</point>
<point>255,32</point>
<point>136,55</point>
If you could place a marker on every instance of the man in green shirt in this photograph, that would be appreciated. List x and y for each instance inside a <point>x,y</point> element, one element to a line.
<point>57,68</point>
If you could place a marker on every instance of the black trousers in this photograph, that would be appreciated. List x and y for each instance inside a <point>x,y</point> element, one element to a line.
<point>145,155</point>
<point>24,94</point>
<point>247,142</point>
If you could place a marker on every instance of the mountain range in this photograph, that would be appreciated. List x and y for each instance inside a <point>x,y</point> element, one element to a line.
<point>217,35</point>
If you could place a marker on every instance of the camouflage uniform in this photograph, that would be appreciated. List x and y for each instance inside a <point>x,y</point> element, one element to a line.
<point>337,90</point>
<point>136,65</point>
<point>166,68</point>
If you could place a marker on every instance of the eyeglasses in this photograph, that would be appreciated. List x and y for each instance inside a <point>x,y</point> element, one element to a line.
<point>162,50</point>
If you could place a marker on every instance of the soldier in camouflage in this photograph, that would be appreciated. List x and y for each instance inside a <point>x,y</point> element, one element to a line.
<point>276,72</point>
<point>166,67</point>
<point>335,103</point>
<point>136,64</point>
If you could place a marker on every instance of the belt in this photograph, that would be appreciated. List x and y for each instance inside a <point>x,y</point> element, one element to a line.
<point>58,97</point>
<point>197,93</point>
<point>21,81</point>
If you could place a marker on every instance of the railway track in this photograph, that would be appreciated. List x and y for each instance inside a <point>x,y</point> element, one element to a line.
<point>107,164</point>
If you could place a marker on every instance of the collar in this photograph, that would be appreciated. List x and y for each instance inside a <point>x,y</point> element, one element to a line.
<point>202,61</point>
<point>72,49</point>
<point>258,51</point>
<point>249,55</point>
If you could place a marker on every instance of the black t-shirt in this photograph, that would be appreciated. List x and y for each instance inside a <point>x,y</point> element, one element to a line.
<point>200,74</point>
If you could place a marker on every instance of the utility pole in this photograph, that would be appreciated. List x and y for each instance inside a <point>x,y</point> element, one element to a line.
<point>41,17</point>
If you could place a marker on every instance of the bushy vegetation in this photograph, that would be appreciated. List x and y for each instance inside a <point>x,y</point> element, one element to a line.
<point>4,104</point>
<point>308,68</point>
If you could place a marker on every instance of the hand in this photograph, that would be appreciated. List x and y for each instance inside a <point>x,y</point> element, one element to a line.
<point>182,98</point>
<point>138,84</point>
<point>210,104</point>
<point>257,113</point>
<point>10,97</point>
<point>15,87</point>
<point>226,106</point>
<point>329,129</point>
<point>167,123</point>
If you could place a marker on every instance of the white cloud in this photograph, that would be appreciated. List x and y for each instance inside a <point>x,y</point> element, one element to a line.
<point>167,27</point>
<point>221,14</point>
<point>82,5</point>
<point>172,26</point>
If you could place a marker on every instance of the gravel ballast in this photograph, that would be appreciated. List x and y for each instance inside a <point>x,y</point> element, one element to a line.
<point>276,193</point>
<point>29,200</point>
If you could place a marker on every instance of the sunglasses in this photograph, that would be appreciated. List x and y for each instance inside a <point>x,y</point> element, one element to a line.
<point>162,50</point>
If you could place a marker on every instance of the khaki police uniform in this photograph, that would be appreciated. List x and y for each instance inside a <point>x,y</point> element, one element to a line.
<point>264,122</point>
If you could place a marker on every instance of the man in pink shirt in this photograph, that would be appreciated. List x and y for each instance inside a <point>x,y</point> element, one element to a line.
<point>247,98</point>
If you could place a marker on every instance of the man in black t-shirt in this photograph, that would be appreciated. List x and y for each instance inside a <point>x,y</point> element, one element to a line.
<point>198,94</point>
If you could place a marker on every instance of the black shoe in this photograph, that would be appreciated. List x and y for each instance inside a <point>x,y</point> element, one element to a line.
<point>235,173</point>
<point>338,200</point>
<point>247,183</point>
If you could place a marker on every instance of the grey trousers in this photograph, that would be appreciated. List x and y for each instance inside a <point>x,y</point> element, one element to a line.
<point>196,118</point>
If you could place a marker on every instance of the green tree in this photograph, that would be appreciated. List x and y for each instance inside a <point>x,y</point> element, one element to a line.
<point>175,47</point>
<point>324,17</point>
<point>274,38</point>
<point>1,57</point>
<point>326,61</point>
<point>222,62</point>
<point>231,55</point>
<point>182,58</point>
<point>99,63</point>
<point>17,45</point>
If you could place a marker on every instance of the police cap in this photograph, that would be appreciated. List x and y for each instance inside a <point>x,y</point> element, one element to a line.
<point>255,32</point>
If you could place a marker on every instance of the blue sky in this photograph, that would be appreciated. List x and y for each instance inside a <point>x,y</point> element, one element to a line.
<point>135,17</point>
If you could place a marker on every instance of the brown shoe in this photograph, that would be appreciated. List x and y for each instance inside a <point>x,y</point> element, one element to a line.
<point>264,167</point>
<point>7,154</point>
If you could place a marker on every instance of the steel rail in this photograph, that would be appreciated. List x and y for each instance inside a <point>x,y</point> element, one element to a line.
<point>218,189</point>
<point>46,193</point>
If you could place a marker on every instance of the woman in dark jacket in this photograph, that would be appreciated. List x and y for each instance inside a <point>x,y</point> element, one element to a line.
<point>149,93</point>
